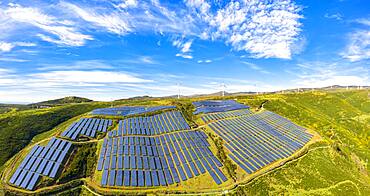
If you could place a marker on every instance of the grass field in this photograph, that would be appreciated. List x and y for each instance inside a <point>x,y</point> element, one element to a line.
<point>339,165</point>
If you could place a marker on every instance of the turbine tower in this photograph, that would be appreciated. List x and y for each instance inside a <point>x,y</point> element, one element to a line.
<point>178,90</point>
<point>223,86</point>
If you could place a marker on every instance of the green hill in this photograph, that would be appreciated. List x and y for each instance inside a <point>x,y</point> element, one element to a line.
<point>338,165</point>
<point>19,128</point>
<point>61,101</point>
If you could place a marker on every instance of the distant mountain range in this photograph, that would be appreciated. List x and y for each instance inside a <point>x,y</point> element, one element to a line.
<point>74,99</point>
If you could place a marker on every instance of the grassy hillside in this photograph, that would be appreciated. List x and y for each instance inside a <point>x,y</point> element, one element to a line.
<point>18,128</point>
<point>62,101</point>
<point>338,166</point>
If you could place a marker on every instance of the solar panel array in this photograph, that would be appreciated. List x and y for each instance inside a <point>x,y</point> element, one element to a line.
<point>222,115</point>
<point>129,110</point>
<point>210,106</point>
<point>41,161</point>
<point>152,125</point>
<point>139,161</point>
<point>87,127</point>
<point>260,139</point>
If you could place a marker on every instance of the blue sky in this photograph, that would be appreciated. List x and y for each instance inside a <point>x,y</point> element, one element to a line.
<point>106,50</point>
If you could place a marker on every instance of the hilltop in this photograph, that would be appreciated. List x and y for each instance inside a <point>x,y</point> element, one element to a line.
<point>61,101</point>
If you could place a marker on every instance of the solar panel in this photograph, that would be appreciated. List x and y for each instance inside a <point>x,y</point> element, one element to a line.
<point>140,176</point>
<point>112,177</point>
<point>15,175</point>
<point>21,177</point>
<point>127,177</point>
<point>133,177</point>
<point>32,184</point>
<point>104,180</point>
<point>27,179</point>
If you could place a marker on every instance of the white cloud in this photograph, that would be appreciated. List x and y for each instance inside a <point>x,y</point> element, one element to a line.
<point>256,67</point>
<point>364,21</point>
<point>6,47</point>
<point>65,35</point>
<point>11,59</point>
<point>358,47</point>
<point>263,29</point>
<point>184,47</point>
<point>77,65</point>
<point>127,4</point>
<point>322,74</point>
<point>205,61</point>
<point>185,56</point>
<point>336,16</point>
<point>87,77</point>
<point>112,22</point>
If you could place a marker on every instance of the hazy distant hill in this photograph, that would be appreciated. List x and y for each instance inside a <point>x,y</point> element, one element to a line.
<point>61,101</point>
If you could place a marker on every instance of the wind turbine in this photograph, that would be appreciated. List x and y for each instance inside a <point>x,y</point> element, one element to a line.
<point>178,90</point>
<point>223,86</point>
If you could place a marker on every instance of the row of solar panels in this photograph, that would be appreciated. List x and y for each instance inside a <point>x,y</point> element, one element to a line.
<point>87,127</point>
<point>222,115</point>
<point>280,121</point>
<point>129,110</point>
<point>152,125</point>
<point>213,103</point>
<point>211,106</point>
<point>41,161</point>
<point>254,143</point>
<point>161,160</point>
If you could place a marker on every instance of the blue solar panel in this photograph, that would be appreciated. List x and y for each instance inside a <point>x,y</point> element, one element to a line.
<point>140,177</point>
<point>54,170</point>
<point>32,184</point>
<point>26,180</point>
<point>112,177</point>
<point>220,174</point>
<point>194,169</point>
<point>48,168</point>
<point>21,177</point>
<point>155,180</point>
<point>133,177</point>
<point>104,180</point>
<point>133,162</point>
<point>30,163</point>
<point>127,178</point>
<point>119,178</point>
<point>182,173</point>
<point>214,176</point>
<point>168,176</point>
<point>15,175</point>
<point>161,177</point>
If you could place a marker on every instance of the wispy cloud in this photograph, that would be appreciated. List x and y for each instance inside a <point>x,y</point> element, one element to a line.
<point>205,61</point>
<point>64,33</point>
<point>185,56</point>
<point>113,22</point>
<point>77,65</point>
<point>358,47</point>
<point>321,74</point>
<point>12,59</point>
<point>256,67</point>
<point>88,77</point>
<point>6,47</point>
<point>336,16</point>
